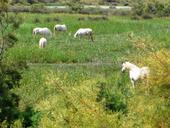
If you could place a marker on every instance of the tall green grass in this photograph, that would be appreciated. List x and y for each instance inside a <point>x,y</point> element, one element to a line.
<point>111,38</point>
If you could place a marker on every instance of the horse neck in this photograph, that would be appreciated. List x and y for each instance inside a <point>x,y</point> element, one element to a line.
<point>133,67</point>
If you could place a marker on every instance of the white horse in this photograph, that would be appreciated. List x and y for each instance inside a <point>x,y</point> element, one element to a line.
<point>60,27</point>
<point>135,72</point>
<point>42,31</point>
<point>35,30</point>
<point>84,32</point>
<point>42,42</point>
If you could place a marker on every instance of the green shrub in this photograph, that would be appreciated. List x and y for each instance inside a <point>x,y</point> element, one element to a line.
<point>30,117</point>
<point>38,8</point>
<point>113,95</point>
<point>147,8</point>
<point>166,10</point>
<point>36,20</point>
<point>75,5</point>
<point>48,19</point>
<point>147,16</point>
<point>10,39</point>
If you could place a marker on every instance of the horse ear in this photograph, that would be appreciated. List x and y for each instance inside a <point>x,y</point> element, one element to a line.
<point>126,61</point>
<point>122,62</point>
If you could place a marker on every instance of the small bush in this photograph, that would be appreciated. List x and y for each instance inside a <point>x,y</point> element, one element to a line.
<point>56,19</point>
<point>36,20</point>
<point>112,100</point>
<point>75,5</point>
<point>147,16</point>
<point>38,8</point>
<point>48,19</point>
<point>31,117</point>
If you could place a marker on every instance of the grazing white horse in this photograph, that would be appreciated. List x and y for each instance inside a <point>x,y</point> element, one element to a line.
<point>84,32</point>
<point>42,42</point>
<point>135,72</point>
<point>60,27</point>
<point>42,31</point>
<point>35,30</point>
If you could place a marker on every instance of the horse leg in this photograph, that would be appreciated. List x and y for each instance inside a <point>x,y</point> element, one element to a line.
<point>79,37</point>
<point>91,37</point>
<point>133,83</point>
<point>54,33</point>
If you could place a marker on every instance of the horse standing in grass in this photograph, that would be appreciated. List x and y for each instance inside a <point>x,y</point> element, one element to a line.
<point>135,72</point>
<point>84,32</point>
<point>42,42</point>
<point>35,31</point>
<point>60,27</point>
<point>42,31</point>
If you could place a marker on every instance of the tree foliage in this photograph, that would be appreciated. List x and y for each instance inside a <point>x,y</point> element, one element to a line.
<point>148,8</point>
<point>75,5</point>
<point>10,75</point>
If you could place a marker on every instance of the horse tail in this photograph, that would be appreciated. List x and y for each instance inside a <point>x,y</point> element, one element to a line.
<point>145,71</point>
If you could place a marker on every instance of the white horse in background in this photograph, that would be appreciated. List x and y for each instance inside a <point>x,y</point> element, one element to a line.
<point>60,27</point>
<point>135,72</point>
<point>84,32</point>
<point>42,31</point>
<point>35,30</point>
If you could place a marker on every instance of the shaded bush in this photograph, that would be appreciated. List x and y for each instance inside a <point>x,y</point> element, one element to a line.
<point>56,19</point>
<point>36,20</point>
<point>147,16</point>
<point>48,19</point>
<point>9,101</point>
<point>31,117</point>
<point>113,100</point>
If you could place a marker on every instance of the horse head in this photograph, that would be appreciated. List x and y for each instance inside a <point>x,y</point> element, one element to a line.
<point>127,66</point>
<point>124,67</point>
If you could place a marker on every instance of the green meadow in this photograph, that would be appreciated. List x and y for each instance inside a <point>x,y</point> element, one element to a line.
<point>77,83</point>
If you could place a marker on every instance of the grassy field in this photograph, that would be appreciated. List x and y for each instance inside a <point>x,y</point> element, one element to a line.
<point>77,83</point>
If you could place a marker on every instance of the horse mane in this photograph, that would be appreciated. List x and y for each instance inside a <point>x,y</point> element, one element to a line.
<point>132,65</point>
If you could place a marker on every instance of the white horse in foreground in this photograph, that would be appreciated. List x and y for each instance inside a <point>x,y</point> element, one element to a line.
<point>42,31</point>
<point>42,42</point>
<point>135,72</point>
<point>84,32</point>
